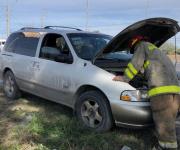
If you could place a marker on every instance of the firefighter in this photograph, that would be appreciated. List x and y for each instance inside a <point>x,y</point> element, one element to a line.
<point>164,90</point>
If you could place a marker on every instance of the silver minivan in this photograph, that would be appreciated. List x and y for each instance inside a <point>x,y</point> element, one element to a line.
<point>75,68</point>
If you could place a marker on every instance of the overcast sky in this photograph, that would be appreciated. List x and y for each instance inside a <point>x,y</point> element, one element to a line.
<point>107,16</point>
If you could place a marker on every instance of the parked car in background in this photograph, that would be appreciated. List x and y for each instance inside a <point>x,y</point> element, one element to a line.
<point>76,68</point>
<point>2,43</point>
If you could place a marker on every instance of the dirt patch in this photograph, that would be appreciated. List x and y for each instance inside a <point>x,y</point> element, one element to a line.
<point>172,57</point>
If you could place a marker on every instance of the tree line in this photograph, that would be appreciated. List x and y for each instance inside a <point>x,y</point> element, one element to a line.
<point>169,48</point>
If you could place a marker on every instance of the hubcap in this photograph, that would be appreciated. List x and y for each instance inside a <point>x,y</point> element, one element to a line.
<point>9,86</point>
<point>91,114</point>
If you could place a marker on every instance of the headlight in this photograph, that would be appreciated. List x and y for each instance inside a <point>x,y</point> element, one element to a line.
<point>136,95</point>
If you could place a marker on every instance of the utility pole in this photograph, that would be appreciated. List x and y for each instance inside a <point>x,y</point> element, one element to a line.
<point>147,8</point>
<point>7,20</point>
<point>42,21</point>
<point>43,15</point>
<point>87,14</point>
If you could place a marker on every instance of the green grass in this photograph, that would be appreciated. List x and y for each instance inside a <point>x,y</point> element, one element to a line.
<point>53,126</point>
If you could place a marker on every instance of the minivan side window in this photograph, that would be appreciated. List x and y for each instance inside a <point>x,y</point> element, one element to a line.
<point>11,41</point>
<point>23,43</point>
<point>55,48</point>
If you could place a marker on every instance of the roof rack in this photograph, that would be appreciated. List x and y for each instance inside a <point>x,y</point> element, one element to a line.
<point>50,27</point>
<point>24,28</point>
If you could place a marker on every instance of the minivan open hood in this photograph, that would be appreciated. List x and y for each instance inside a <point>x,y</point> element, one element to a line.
<point>158,30</point>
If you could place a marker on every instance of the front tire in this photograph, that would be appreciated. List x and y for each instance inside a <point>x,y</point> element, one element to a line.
<point>10,86</point>
<point>93,111</point>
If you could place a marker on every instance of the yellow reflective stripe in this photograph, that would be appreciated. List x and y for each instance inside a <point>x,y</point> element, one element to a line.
<point>146,64</point>
<point>152,47</point>
<point>129,74</point>
<point>133,70</point>
<point>164,89</point>
<point>168,144</point>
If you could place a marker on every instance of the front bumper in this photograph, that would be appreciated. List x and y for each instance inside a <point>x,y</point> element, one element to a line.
<point>132,114</point>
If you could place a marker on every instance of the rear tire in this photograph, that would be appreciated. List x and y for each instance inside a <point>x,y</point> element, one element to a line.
<point>10,87</point>
<point>93,111</point>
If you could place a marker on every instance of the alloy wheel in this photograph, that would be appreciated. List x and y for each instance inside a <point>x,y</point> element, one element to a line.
<point>91,114</point>
<point>9,85</point>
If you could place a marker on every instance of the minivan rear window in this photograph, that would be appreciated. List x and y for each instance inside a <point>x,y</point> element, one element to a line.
<point>24,43</point>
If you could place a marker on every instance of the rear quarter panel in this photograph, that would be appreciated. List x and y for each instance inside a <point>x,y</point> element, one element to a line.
<point>5,62</point>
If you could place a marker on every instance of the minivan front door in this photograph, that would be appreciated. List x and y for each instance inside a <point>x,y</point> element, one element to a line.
<point>54,78</point>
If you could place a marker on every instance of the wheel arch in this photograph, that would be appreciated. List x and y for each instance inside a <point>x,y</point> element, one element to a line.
<point>86,88</point>
<point>5,70</point>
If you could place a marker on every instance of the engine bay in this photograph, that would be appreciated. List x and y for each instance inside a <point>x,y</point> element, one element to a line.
<point>117,67</point>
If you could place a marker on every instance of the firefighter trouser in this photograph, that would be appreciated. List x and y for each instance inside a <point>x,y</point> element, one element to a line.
<point>164,110</point>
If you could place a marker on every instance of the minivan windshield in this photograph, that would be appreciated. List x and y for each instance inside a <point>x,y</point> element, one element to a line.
<point>86,45</point>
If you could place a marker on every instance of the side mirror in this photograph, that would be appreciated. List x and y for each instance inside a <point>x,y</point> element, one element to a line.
<point>64,58</point>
